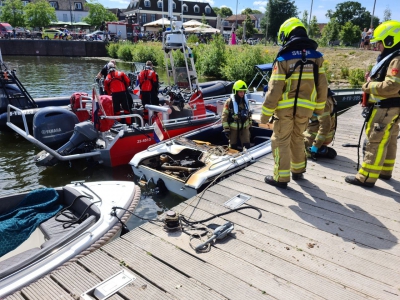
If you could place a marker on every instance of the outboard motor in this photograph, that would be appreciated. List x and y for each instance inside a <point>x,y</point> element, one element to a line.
<point>84,132</point>
<point>53,126</point>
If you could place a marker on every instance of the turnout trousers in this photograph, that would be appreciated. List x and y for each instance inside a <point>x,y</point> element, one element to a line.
<point>382,130</point>
<point>287,143</point>
<point>244,136</point>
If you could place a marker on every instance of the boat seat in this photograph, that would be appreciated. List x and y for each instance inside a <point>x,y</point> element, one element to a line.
<point>12,264</point>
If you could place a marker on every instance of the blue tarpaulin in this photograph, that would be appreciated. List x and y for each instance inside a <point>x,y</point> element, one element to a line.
<point>17,225</point>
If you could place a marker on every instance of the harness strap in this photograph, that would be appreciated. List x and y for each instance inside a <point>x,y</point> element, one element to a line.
<point>302,62</point>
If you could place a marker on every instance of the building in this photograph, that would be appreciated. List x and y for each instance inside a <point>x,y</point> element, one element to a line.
<point>145,11</point>
<point>70,10</point>
<point>239,19</point>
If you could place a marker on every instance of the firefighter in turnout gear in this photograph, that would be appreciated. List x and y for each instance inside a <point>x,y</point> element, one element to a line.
<point>382,123</point>
<point>297,89</point>
<point>321,131</point>
<point>236,117</point>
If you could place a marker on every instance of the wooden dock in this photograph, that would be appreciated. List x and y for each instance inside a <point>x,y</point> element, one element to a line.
<point>319,239</point>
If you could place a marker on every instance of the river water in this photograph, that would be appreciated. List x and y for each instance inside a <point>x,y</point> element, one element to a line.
<point>53,77</point>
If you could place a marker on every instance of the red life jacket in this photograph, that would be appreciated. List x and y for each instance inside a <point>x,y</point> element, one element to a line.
<point>146,80</point>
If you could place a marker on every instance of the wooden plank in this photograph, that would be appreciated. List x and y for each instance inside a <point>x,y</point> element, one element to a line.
<point>253,276</point>
<point>334,251</point>
<point>330,236</point>
<point>45,289</point>
<point>285,269</point>
<point>160,273</point>
<point>104,266</point>
<point>75,279</point>
<point>348,200</point>
<point>228,285</point>
<point>15,296</point>
<point>333,210</point>
<point>309,259</point>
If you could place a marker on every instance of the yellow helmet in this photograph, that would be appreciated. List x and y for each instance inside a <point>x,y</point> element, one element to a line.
<point>287,27</point>
<point>239,85</point>
<point>388,32</point>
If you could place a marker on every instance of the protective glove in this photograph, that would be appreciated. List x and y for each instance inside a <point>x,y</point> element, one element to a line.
<point>314,151</point>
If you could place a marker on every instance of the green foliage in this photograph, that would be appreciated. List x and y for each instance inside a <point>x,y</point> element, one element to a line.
<point>352,11</point>
<point>387,14</point>
<point>277,12</point>
<point>225,12</point>
<point>13,12</point>
<point>142,52</point>
<point>356,77</point>
<point>249,27</point>
<point>304,19</point>
<point>179,59</point>
<point>193,39</point>
<point>330,32</point>
<point>349,33</point>
<point>314,28</point>
<point>328,72</point>
<point>112,49</point>
<point>124,52</point>
<point>212,57</point>
<point>344,72</point>
<point>240,62</point>
<point>98,14</point>
<point>249,11</point>
<point>40,13</point>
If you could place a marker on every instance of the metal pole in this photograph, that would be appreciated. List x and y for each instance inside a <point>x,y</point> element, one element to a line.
<point>309,22</point>
<point>266,25</point>
<point>236,25</point>
<point>372,17</point>
<point>70,12</point>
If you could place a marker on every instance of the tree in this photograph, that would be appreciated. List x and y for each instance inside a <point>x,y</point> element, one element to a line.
<point>250,11</point>
<point>330,32</point>
<point>352,11</point>
<point>98,14</point>
<point>387,14</point>
<point>314,28</point>
<point>13,12</point>
<point>203,19</point>
<point>349,34</point>
<point>226,12</point>
<point>304,19</point>
<point>217,10</point>
<point>40,13</point>
<point>277,12</point>
<point>249,28</point>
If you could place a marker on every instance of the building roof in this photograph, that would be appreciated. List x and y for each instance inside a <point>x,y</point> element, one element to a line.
<point>152,5</point>
<point>65,5</point>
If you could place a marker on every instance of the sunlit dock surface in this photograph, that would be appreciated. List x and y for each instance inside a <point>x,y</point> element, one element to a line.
<point>319,239</point>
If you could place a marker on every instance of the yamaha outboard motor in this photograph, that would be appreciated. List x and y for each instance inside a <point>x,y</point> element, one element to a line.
<point>53,126</point>
<point>84,133</point>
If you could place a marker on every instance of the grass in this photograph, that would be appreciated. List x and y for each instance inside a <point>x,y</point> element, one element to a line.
<point>340,59</point>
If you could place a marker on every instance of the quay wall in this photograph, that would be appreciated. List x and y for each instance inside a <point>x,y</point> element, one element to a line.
<point>53,48</point>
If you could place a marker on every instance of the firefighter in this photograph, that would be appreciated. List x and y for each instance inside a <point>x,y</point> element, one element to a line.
<point>321,131</point>
<point>116,85</point>
<point>236,117</point>
<point>297,89</point>
<point>382,123</point>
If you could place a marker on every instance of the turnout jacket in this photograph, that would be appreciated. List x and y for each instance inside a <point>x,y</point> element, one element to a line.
<point>281,90</point>
<point>116,81</point>
<point>231,118</point>
<point>389,87</point>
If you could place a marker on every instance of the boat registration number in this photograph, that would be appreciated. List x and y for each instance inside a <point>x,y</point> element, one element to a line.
<point>144,140</point>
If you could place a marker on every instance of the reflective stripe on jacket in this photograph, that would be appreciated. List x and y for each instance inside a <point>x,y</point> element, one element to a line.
<point>389,87</point>
<point>281,91</point>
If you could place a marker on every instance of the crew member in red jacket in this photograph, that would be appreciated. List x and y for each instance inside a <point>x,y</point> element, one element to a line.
<point>148,83</point>
<point>116,84</point>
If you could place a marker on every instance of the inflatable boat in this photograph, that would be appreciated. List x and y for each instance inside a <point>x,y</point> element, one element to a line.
<point>13,92</point>
<point>48,227</point>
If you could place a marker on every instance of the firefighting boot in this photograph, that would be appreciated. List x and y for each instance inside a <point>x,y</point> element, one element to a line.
<point>270,180</point>
<point>355,181</point>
